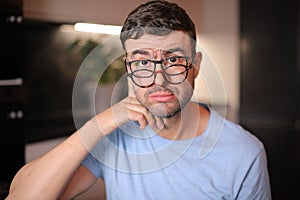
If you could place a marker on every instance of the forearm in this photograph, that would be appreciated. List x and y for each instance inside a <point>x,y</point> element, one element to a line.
<point>47,176</point>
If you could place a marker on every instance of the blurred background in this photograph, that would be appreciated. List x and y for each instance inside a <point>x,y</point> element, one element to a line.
<point>254,46</point>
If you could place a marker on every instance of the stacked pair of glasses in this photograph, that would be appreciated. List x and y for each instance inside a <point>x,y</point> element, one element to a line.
<point>143,70</point>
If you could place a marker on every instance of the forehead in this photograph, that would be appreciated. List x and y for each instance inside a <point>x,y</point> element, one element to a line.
<point>176,39</point>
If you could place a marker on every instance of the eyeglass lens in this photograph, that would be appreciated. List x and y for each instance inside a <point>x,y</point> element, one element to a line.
<point>174,68</point>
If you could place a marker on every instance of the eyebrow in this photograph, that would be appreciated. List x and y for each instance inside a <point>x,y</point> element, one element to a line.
<point>178,49</point>
<point>147,53</point>
<point>140,51</point>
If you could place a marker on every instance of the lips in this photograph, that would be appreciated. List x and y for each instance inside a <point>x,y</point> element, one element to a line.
<point>162,96</point>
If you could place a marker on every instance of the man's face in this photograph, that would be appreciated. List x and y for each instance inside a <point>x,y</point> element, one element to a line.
<point>163,98</point>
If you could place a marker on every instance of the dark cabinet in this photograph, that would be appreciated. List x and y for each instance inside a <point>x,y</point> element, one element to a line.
<point>11,91</point>
<point>11,40</point>
<point>270,74</point>
<point>11,139</point>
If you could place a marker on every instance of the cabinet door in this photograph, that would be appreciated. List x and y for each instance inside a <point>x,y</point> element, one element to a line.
<point>11,44</point>
<point>269,103</point>
<point>269,60</point>
<point>11,109</point>
<point>11,139</point>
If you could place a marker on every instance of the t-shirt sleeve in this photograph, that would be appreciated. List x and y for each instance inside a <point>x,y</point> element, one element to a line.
<point>256,184</point>
<point>92,164</point>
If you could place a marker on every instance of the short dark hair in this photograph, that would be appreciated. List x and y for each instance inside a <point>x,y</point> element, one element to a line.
<point>157,17</point>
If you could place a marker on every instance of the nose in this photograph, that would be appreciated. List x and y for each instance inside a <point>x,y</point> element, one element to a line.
<point>159,76</point>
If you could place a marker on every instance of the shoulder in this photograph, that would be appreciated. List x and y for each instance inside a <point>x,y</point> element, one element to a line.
<point>235,139</point>
<point>241,138</point>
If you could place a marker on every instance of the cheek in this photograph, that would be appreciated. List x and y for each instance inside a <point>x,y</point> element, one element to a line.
<point>187,88</point>
<point>139,94</point>
<point>190,80</point>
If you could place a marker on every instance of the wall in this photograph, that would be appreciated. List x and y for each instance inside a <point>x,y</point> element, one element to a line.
<point>96,11</point>
<point>219,35</point>
<point>216,21</point>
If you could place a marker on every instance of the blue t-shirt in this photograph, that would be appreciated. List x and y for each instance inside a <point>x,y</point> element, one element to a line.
<point>225,162</point>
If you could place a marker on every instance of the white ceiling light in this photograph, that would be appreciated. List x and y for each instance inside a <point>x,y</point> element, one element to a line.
<point>98,28</point>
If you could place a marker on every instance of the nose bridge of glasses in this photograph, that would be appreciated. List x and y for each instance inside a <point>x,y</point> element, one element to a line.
<point>159,66</point>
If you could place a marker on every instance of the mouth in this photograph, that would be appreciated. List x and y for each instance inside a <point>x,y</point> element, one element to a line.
<point>162,97</point>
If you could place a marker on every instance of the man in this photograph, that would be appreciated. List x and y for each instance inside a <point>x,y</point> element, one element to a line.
<point>156,143</point>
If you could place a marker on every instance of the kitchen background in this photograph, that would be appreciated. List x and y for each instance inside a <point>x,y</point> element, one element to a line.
<point>254,45</point>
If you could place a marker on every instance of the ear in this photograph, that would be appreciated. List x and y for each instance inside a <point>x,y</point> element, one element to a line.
<point>196,63</point>
<point>129,81</point>
<point>126,65</point>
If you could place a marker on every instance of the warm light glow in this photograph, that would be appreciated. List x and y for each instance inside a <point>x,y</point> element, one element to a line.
<point>98,28</point>
<point>67,28</point>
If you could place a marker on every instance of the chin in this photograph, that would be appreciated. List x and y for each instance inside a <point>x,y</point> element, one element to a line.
<point>162,112</point>
<point>165,115</point>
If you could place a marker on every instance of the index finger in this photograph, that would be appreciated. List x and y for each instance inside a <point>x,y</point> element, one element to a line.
<point>130,88</point>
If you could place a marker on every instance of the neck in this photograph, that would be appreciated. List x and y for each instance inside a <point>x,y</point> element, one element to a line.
<point>191,121</point>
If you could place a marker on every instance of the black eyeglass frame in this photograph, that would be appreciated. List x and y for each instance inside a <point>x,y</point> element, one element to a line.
<point>164,73</point>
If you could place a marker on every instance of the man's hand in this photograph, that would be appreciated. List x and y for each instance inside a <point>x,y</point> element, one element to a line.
<point>130,109</point>
<point>126,110</point>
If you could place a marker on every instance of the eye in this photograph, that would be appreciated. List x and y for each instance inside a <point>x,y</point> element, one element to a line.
<point>173,60</point>
<point>143,62</point>
<point>180,60</point>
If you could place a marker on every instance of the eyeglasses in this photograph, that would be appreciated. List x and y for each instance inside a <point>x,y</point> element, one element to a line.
<point>174,70</point>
